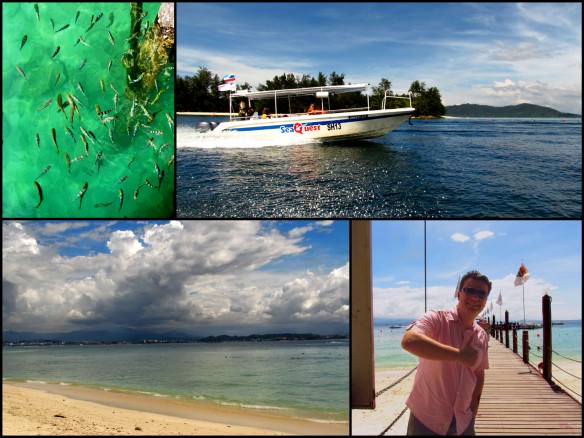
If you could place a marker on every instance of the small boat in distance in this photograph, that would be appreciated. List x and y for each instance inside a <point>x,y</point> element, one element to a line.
<point>323,125</point>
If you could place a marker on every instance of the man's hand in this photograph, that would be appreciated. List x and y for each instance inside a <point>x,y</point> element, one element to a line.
<point>466,354</point>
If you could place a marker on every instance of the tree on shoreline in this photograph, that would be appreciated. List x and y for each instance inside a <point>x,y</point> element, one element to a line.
<point>201,92</point>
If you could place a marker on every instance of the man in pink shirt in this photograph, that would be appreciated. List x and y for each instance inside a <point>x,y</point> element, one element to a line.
<point>452,349</point>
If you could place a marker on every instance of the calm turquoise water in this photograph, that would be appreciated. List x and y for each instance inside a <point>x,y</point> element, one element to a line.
<point>307,379</point>
<point>23,160</point>
<point>453,168</point>
<point>566,340</point>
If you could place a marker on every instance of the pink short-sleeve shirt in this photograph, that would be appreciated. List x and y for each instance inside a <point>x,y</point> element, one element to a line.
<point>443,389</point>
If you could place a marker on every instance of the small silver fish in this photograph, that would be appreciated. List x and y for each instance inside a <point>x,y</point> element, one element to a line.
<point>160,178</point>
<point>20,71</point>
<point>98,160</point>
<point>122,179</point>
<point>111,19</point>
<point>38,141</point>
<point>56,51</point>
<point>54,136</point>
<point>46,104</point>
<point>23,42</point>
<point>137,191</point>
<point>133,102</point>
<point>109,66</point>
<point>68,161</point>
<point>68,131</point>
<point>116,97</point>
<point>36,9</point>
<point>83,63</point>
<point>45,170</point>
<point>121,199</point>
<point>81,88</point>
<point>139,78</point>
<point>39,191</point>
<point>170,161</point>
<point>76,17</point>
<point>149,183</point>
<point>111,38</point>
<point>81,194</point>
<point>82,41</point>
<point>57,78</point>
<point>170,121</point>
<point>103,204</point>
<point>164,146</point>
<point>63,28</point>
<point>52,23</point>
<point>131,161</point>
<point>102,86</point>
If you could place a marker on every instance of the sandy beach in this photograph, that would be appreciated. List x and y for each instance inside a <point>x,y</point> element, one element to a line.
<point>50,409</point>
<point>387,406</point>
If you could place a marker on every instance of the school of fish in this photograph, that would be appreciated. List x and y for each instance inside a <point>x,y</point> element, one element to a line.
<point>121,122</point>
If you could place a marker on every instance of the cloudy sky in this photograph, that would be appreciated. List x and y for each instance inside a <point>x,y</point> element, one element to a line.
<point>550,250</point>
<point>195,277</point>
<point>484,53</point>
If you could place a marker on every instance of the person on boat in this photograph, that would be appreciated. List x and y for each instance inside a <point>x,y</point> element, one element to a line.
<point>315,110</point>
<point>453,356</point>
<point>242,110</point>
<point>266,113</point>
<point>251,111</point>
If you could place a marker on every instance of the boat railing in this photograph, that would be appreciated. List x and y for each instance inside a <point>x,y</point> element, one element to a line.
<point>387,94</point>
<point>284,115</point>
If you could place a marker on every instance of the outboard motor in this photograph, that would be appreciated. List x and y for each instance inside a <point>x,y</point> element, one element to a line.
<point>213,125</point>
<point>203,127</point>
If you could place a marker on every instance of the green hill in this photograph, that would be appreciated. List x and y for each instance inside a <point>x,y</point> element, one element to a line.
<point>521,110</point>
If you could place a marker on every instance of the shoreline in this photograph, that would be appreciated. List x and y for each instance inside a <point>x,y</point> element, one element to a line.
<point>33,408</point>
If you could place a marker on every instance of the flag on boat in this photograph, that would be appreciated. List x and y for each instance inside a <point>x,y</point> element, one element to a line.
<point>229,78</point>
<point>227,87</point>
<point>522,275</point>
<point>500,300</point>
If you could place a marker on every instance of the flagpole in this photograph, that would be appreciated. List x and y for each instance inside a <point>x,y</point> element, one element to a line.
<point>523,303</point>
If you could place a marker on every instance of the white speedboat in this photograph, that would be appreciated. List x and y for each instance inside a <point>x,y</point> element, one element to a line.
<point>323,125</point>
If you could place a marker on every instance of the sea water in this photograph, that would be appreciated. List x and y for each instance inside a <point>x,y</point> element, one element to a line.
<point>566,340</point>
<point>308,379</point>
<point>448,168</point>
<point>126,161</point>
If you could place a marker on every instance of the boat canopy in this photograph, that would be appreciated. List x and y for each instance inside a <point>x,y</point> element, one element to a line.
<point>309,91</point>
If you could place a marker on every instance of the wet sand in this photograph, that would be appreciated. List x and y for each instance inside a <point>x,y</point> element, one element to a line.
<point>50,409</point>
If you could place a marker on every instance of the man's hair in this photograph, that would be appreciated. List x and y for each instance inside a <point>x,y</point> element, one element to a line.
<point>475,275</point>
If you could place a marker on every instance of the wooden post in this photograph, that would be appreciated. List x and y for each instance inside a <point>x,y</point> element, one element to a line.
<point>493,327</point>
<point>546,304</point>
<point>525,346</point>
<point>507,328</point>
<point>362,365</point>
<point>514,339</point>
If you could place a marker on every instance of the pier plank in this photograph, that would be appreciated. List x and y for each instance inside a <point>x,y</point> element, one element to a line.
<point>516,400</point>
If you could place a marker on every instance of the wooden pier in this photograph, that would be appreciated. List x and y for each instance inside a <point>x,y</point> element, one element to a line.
<point>517,400</point>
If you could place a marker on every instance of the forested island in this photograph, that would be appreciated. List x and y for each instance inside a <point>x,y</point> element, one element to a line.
<point>272,337</point>
<point>521,110</point>
<point>201,93</point>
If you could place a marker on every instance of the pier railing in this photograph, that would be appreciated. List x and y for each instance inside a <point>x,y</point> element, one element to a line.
<point>501,331</point>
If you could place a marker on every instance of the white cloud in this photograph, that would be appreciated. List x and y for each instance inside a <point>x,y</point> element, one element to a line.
<point>408,302</point>
<point>459,237</point>
<point>481,235</point>
<point>189,276</point>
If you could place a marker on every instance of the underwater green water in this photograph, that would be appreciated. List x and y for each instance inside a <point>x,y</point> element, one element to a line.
<point>126,161</point>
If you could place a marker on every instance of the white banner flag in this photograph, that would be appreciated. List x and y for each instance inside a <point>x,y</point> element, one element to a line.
<point>227,87</point>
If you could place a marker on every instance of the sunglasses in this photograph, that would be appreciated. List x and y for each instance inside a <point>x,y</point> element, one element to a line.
<point>476,292</point>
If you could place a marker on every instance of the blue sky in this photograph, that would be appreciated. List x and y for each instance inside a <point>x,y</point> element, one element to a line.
<point>485,53</point>
<point>551,251</point>
<point>196,277</point>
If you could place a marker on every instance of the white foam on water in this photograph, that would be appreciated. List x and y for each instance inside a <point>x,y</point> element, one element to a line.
<point>190,138</point>
<point>36,381</point>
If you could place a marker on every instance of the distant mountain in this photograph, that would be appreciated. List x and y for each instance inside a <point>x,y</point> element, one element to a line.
<point>521,110</point>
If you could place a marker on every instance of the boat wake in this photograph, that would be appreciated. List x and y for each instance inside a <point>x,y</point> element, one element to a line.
<point>189,138</point>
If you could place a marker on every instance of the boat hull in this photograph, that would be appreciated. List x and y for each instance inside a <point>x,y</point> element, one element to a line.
<point>323,127</point>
